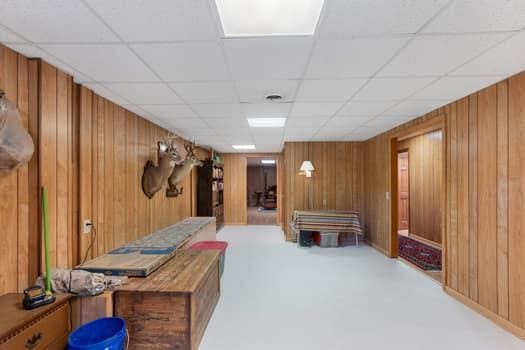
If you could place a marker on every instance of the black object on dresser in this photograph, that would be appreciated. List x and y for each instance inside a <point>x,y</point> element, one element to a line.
<point>210,191</point>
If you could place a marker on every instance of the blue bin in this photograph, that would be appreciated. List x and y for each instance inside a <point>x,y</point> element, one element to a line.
<point>107,333</point>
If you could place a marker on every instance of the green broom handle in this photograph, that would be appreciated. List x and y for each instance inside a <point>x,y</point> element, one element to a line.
<point>46,239</point>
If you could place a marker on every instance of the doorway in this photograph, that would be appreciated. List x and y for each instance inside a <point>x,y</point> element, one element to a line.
<point>261,175</point>
<point>419,188</point>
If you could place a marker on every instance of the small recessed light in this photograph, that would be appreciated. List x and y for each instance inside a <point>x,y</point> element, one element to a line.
<point>273,97</point>
<point>269,17</point>
<point>243,146</point>
<point>266,122</point>
<point>268,161</point>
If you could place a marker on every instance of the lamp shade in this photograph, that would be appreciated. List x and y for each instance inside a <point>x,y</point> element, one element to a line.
<point>307,166</point>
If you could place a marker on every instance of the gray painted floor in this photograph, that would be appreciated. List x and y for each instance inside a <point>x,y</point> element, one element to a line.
<point>278,296</point>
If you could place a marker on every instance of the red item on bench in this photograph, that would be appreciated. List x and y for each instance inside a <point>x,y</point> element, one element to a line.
<point>210,245</point>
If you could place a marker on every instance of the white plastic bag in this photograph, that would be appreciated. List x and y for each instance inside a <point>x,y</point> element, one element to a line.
<point>16,145</point>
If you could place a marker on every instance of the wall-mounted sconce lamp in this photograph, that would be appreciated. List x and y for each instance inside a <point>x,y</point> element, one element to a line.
<point>307,168</point>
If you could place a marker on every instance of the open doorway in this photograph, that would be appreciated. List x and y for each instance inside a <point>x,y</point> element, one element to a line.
<point>419,188</point>
<point>261,191</point>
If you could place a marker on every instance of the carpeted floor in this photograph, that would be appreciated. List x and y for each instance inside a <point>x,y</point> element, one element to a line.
<point>420,254</point>
<point>264,217</point>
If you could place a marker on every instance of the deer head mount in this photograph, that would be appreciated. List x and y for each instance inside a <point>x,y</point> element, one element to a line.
<point>155,176</point>
<point>180,171</point>
<point>16,145</point>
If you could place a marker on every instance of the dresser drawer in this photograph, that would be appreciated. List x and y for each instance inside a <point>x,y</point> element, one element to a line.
<point>44,332</point>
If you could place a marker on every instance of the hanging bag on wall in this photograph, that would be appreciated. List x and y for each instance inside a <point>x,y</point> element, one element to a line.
<point>16,145</point>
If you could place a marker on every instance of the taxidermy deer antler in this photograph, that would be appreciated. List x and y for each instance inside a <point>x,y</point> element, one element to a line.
<point>16,145</point>
<point>155,176</point>
<point>180,171</point>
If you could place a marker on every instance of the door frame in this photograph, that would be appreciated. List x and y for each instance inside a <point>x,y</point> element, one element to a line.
<point>279,169</point>
<point>437,123</point>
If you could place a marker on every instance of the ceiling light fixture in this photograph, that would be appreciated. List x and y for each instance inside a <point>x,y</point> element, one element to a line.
<point>266,122</point>
<point>267,161</point>
<point>269,17</point>
<point>243,147</point>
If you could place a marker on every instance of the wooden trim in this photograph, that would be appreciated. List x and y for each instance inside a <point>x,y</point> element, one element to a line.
<point>424,240</point>
<point>424,127</point>
<point>394,193</point>
<point>494,317</point>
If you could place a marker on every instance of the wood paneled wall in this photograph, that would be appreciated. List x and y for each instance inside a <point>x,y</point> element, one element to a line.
<point>19,249</point>
<point>425,182</point>
<point>115,144</point>
<point>484,222</point>
<point>235,189</point>
<point>337,182</point>
<point>255,179</point>
<point>89,154</point>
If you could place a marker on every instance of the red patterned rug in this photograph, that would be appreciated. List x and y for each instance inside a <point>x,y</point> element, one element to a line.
<point>420,254</point>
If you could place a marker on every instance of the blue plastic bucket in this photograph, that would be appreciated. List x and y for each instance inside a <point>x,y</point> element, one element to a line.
<point>107,333</point>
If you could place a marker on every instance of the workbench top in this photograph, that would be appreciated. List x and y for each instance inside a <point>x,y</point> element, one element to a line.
<point>181,274</point>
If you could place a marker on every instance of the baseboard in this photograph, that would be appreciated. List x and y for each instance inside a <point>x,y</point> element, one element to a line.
<point>495,318</point>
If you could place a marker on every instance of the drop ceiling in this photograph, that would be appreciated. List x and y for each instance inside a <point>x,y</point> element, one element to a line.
<point>370,65</point>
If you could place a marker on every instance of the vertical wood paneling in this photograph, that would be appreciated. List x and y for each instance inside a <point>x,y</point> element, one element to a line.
<point>485,185</point>
<point>9,185</point>
<point>503,199</point>
<point>235,187</point>
<point>463,197</point>
<point>516,219</point>
<point>85,169</point>
<point>487,198</point>
<point>337,180</point>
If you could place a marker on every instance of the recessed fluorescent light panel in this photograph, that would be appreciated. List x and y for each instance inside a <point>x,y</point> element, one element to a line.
<point>266,122</point>
<point>269,17</point>
<point>243,147</point>
<point>268,161</point>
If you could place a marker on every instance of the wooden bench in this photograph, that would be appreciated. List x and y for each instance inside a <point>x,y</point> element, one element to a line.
<point>171,308</point>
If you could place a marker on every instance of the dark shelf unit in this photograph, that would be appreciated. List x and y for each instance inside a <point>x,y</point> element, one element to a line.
<point>210,191</point>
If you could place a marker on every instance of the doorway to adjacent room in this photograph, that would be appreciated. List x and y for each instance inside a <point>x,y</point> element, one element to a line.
<point>418,198</point>
<point>261,191</point>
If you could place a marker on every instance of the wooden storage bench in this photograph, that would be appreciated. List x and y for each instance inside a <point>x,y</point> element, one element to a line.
<point>170,308</point>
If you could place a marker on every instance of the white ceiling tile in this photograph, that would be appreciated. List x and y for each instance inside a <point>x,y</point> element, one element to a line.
<point>159,20</point>
<point>227,123</point>
<point>267,135</point>
<point>346,123</point>
<point>107,63</point>
<point>378,17</point>
<point>199,132</point>
<point>185,123</point>
<point>218,110</point>
<point>267,58</point>
<point>168,112</point>
<point>101,90</point>
<point>335,59</point>
<point>305,122</point>
<point>210,92</point>
<point>414,108</point>
<point>307,109</point>
<point>439,54</point>
<point>361,134</point>
<point>505,59</point>
<point>392,88</point>
<point>145,93</point>
<point>454,88</point>
<point>270,148</point>
<point>330,134</point>
<point>137,110</point>
<point>479,16</point>
<point>299,134</point>
<point>54,21</point>
<point>385,123</point>
<point>8,36</point>
<point>257,90</point>
<point>266,110</point>
<point>366,107</point>
<point>189,61</point>
<point>328,90</point>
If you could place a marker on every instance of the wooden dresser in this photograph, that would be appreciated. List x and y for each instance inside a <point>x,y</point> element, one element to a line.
<point>170,308</point>
<point>46,327</point>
